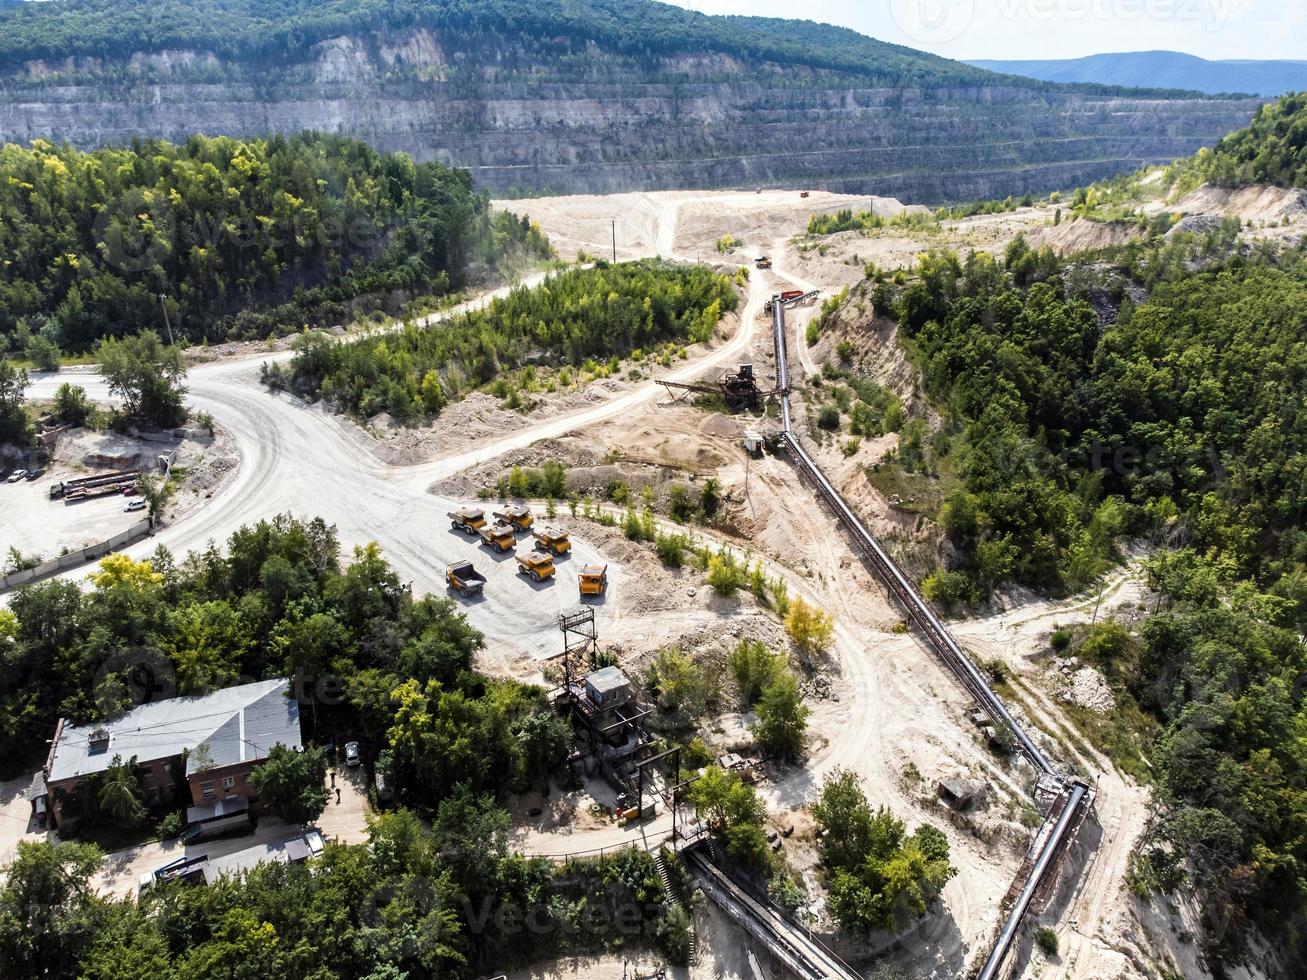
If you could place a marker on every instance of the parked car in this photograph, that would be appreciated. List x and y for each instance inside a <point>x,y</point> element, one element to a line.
<point>36,474</point>
<point>17,475</point>
<point>135,505</point>
<point>352,757</point>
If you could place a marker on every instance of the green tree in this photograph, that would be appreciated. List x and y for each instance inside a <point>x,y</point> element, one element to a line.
<point>292,784</point>
<point>809,627</point>
<point>782,717</point>
<point>754,667</point>
<point>45,907</point>
<point>734,814</point>
<point>71,404</point>
<point>15,426</point>
<point>42,352</point>
<point>147,375</point>
<point>121,797</point>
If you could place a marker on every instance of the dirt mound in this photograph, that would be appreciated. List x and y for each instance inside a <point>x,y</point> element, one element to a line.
<point>103,450</point>
<point>1081,234</point>
<point>1260,202</point>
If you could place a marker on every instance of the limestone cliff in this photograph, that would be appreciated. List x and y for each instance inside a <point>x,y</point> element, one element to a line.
<point>564,117</point>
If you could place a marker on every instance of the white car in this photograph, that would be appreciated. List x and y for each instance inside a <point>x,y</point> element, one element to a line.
<point>352,757</point>
<point>16,475</point>
<point>135,505</point>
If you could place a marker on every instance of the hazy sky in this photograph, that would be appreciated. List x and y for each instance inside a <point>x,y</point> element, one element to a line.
<point>1056,28</point>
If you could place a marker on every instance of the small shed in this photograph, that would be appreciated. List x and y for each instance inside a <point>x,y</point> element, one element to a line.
<point>753,442</point>
<point>960,793</point>
<point>607,688</point>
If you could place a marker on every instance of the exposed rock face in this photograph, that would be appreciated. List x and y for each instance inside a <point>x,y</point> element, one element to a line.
<point>610,122</point>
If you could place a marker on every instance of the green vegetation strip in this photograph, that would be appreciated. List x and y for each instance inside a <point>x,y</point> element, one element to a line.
<point>572,318</point>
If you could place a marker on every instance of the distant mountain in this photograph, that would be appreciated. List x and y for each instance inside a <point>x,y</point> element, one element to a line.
<point>1164,69</point>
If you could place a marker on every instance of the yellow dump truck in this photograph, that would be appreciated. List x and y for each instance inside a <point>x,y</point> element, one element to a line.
<point>499,536</point>
<point>553,539</point>
<point>464,579</point>
<point>519,516</point>
<point>469,520</point>
<point>594,579</point>
<point>538,564</point>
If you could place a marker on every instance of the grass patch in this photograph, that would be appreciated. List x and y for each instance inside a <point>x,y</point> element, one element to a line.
<point>917,493</point>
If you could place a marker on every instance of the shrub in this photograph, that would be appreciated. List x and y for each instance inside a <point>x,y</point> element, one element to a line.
<point>829,419</point>
<point>754,668</point>
<point>671,549</point>
<point>1046,940</point>
<point>680,504</point>
<point>725,574</point>
<point>782,716</point>
<point>809,627</point>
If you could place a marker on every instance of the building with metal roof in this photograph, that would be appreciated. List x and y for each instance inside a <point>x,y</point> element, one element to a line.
<point>206,743</point>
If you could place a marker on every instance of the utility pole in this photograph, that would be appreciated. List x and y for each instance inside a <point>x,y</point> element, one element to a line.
<point>614,222</point>
<point>166,322</point>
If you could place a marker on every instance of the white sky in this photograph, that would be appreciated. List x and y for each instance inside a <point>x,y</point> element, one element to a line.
<point>1010,29</point>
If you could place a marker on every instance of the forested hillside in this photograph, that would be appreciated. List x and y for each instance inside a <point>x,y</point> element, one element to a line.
<point>1271,150</point>
<point>1074,417</point>
<point>278,601</point>
<point>573,317</point>
<point>285,29</point>
<point>576,97</point>
<point>242,237</point>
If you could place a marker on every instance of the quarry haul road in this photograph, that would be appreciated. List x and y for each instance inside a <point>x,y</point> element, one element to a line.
<point>298,459</point>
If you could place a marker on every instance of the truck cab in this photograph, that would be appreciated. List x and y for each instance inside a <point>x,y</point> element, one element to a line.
<point>499,536</point>
<point>538,564</point>
<point>554,539</point>
<point>469,520</point>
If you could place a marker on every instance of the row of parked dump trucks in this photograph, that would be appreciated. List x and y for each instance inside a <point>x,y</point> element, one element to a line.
<point>501,534</point>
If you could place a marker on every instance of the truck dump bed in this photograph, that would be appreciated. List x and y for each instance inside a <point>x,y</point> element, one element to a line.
<point>465,579</point>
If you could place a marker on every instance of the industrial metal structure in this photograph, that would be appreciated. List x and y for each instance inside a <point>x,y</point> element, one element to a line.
<point>1074,797</point>
<point>793,945</point>
<point>739,389</point>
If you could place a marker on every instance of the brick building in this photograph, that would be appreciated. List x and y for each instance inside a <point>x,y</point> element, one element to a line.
<point>197,750</point>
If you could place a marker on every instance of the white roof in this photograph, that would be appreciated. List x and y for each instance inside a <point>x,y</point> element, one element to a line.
<point>239,724</point>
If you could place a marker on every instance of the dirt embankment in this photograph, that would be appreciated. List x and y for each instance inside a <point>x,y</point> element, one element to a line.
<point>1260,202</point>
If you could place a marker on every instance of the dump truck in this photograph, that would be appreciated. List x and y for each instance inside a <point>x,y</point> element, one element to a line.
<point>538,564</point>
<point>553,539</point>
<point>464,579</point>
<point>519,516</point>
<point>594,579</point>
<point>499,536</point>
<point>762,262</point>
<point>469,520</point>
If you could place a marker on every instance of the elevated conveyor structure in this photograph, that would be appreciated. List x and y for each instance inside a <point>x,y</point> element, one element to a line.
<point>1074,801</point>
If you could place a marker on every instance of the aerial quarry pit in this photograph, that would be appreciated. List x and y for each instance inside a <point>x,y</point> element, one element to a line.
<point>1039,837</point>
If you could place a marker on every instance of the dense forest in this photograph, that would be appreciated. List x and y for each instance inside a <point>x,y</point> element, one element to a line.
<point>241,237</point>
<point>1158,396</point>
<point>286,29</point>
<point>571,318</point>
<point>448,902</point>
<point>1271,150</point>
<point>1179,419</point>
